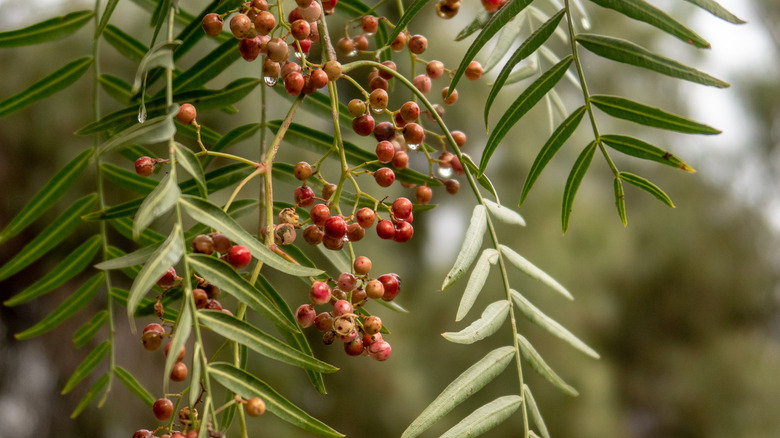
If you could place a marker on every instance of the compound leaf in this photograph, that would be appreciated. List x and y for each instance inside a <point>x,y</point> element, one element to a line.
<point>472,241</point>
<point>49,30</point>
<point>157,203</point>
<point>504,214</point>
<point>646,115</point>
<point>486,417</point>
<point>490,321</point>
<point>532,271</point>
<point>640,149</point>
<point>476,281</point>
<point>466,384</point>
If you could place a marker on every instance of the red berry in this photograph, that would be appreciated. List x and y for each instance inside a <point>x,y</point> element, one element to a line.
<point>212,24</point>
<point>278,50</point>
<point>459,137</point>
<point>363,125</point>
<point>168,279</point>
<point>333,243</point>
<point>414,133</point>
<point>144,166</point>
<point>354,347</point>
<point>293,83</point>
<point>402,208</point>
<point>179,372</point>
<point>336,227</point>
<point>385,229</point>
<point>143,433</point>
<point>163,409</point>
<point>319,292</point>
<point>391,284</point>
<point>154,328</point>
<point>376,82</point>
<point>304,196</point>
<point>384,131</point>
<point>305,315</point>
<point>369,24</point>
<point>342,307</point>
<point>418,44</point>
<point>186,114</point>
<point>361,43</point>
<point>203,244</point>
<point>239,256</point>
<point>410,111</point>
<point>311,13</point>
<point>319,214</point>
<point>265,22</point>
<point>302,171</point>
<point>346,46</point>
<point>362,265</point>
<point>423,195</point>
<point>347,282</point>
<point>422,83</point>
<point>434,69</point>
<point>240,25</point>
<point>182,352</point>
<point>452,186</point>
<point>372,325</point>
<point>300,29</point>
<point>200,297</point>
<point>324,321</point>
<point>313,235</point>
<point>222,243</point>
<point>385,151</point>
<point>355,232</point>
<point>375,289</point>
<point>365,217</point>
<point>403,231</point>
<point>400,160</point>
<point>399,42</point>
<point>380,350</point>
<point>384,177</point>
<point>474,70</point>
<point>452,98</point>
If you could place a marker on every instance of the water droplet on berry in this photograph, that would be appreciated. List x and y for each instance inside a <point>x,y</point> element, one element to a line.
<point>142,114</point>
<point>298,55</point>
<point>585,23</point>
<point>445,172</point>
<point>377,110</point>
<point>413,146</point>
<point>352,53</point>
<point>270,81</point>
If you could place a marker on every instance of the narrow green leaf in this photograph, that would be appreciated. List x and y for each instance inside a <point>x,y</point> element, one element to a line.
<point>620,200</point>
<point>627,52</point>
<point>152,131</point>
<point>638,148</point>
<point>550,148</point>
<point>207,99</point>
<point>296,339</point>
<point>89,329</point>
<point>127,179</point>
<point>49,30</point>
<point>89,363</point>
<point>135,258</point>
<point>550,325</point>
<point>717,10</point>
<point>247,386</point>
<point>540,366</point>
<point>208,67</point>
<point>504,42</point>
<point>466,384</point>
<point>134,386</point>
<point>234,136</point>
<point>125,44</point>
<point>646,115</point>
<point>47,196</point>
<point>490,321</point>
<point>528,47</point>
<point>573,182</point>
<point>476,281</point>
<point>477,24</point>
<point>647,186</point>
<point>410,12</point>
<point>60,228</point>
<point>195,376</point>
<point>504,214</point>
<point>189,161</point>
<point>237,209</point>
<point>180,336</point>
<point>472,242</point>
<point>68,308</point>
<point>93,392</point>
<point>486,417</point>
<point>116,88</point>
<point>498,20</point>
<point>536,415</point>
<point>483,179</point>
<point>110,6</point>
<point>642,11</point>
<point>68,268</point>
<point>315,140</point>
<point>213,216</point>
<point>57,81</point>
<point>162,199</point>
<point>255,339</point>
<point>530,97</point>
<point>531,68</point>
<point>532,271</point>
<point>231,282</point>
<point>124,226</point>
<point>160,56</point>
<point>167,255</point>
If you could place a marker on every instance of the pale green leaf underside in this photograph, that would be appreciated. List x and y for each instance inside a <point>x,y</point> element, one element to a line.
<point>506,38</point>
<point>255,339</point>
<point>646,115</point>
<point>624,51</point>
<point>209,214</point>
<point>486,417</point>
<point>550,325</point>
<point>189,161</point>
<point>183,330</point>
<point>476,281</point>
<point>478,23</point>
<point>68,308</point>
<point>157,203</point>
<point>540,366</point>
<point>87,365</point>
<point>151,131</point>
<point>472,242</point>
<point>492,317</point>
<point>532,271</point>
<point>247,386</point>
<point>161,56</point>
<point>167,255</point>
<point>229,281</point>
<point>137,257</point>
<point>49,30</point>
<point>536,415</point>
<point>49,194</point>
<point>57,81</point>
<point>466,384</point>
<point>642,11</point>
<point>504,214</point>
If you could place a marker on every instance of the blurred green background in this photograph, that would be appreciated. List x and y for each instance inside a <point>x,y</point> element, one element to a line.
<point>682,305</point>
